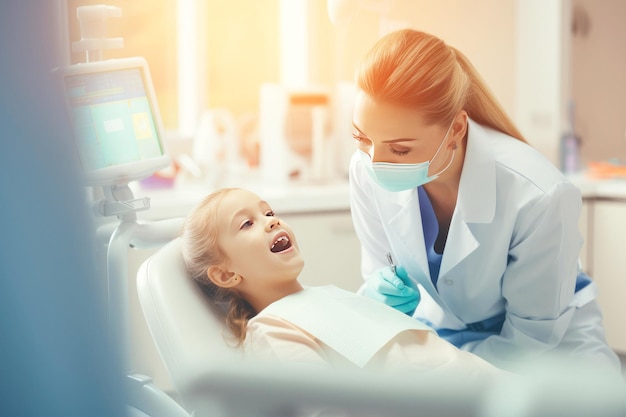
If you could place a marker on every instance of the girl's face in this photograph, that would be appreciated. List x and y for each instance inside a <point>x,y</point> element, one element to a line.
<point>390,133</point>
<point>261,249</point>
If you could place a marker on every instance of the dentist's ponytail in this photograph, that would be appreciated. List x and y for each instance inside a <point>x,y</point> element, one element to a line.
<point>481,105</point>
<point>415,69</point>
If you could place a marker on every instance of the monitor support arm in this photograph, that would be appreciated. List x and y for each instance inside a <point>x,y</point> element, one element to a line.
<point>119,201</point>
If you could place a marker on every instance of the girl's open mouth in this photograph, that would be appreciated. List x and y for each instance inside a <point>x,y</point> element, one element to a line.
<point>281,243</point>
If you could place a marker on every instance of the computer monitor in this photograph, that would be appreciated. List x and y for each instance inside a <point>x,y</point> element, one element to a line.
<point>116,122</point>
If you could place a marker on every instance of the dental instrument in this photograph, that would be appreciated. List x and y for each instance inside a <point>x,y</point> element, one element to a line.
<point>391,264</point>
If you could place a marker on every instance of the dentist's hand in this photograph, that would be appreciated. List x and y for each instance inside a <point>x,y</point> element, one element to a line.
<point>391,289</point>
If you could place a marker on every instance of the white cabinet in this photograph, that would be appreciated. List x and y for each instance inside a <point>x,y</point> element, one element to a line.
<point>608,242</point>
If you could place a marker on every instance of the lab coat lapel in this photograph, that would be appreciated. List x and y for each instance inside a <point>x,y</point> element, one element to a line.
<point>476,202</point>
<point>406,225</point>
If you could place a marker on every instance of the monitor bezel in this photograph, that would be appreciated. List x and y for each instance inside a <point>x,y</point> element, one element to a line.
<point>125,172</point>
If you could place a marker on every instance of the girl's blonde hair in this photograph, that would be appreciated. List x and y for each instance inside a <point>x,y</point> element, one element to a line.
<point>200,250</point>
<point>415,69</point>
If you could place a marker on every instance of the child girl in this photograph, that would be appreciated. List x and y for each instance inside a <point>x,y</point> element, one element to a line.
<point>243,254</point>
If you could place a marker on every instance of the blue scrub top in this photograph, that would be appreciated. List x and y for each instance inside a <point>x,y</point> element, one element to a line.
<point>431,231</point>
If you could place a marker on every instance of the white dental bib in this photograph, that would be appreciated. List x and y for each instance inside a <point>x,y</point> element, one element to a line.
<point>354,326</point>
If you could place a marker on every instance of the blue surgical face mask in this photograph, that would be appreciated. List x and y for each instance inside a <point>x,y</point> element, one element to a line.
<point>401,177</point>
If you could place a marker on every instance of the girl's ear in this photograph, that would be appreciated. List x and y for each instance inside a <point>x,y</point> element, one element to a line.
<point>222,278</point>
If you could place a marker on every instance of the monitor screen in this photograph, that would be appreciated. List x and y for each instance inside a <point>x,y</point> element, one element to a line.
<point>115,120</point>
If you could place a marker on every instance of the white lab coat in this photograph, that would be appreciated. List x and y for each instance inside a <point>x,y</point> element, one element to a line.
<point>512,247</point>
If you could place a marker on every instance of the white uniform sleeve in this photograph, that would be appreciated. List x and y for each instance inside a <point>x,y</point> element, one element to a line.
<point>272,338</point>
<point>538,284</point>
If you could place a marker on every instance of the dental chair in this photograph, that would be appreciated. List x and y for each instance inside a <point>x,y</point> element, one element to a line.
<point>186,327</point>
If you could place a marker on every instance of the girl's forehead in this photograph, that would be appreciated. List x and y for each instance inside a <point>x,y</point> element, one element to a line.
<point>240,198</point>
<point>235,201</point>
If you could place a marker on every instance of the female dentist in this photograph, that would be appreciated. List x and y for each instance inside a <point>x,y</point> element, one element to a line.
<point>483,229</point>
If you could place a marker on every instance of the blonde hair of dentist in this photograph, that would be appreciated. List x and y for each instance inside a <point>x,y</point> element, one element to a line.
<point>418,70</point>
<point>201,250</point>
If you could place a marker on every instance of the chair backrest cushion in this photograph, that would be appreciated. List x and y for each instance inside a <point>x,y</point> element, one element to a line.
<point>187,328</point>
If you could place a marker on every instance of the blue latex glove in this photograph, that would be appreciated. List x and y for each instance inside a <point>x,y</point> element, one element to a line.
<point>391,289</point>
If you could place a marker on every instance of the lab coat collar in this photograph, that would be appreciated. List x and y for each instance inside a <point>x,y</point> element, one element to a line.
<point>476,202</point>
<point>477,190</point>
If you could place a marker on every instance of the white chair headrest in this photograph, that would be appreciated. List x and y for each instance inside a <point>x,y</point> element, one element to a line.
<point>188,330</point>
